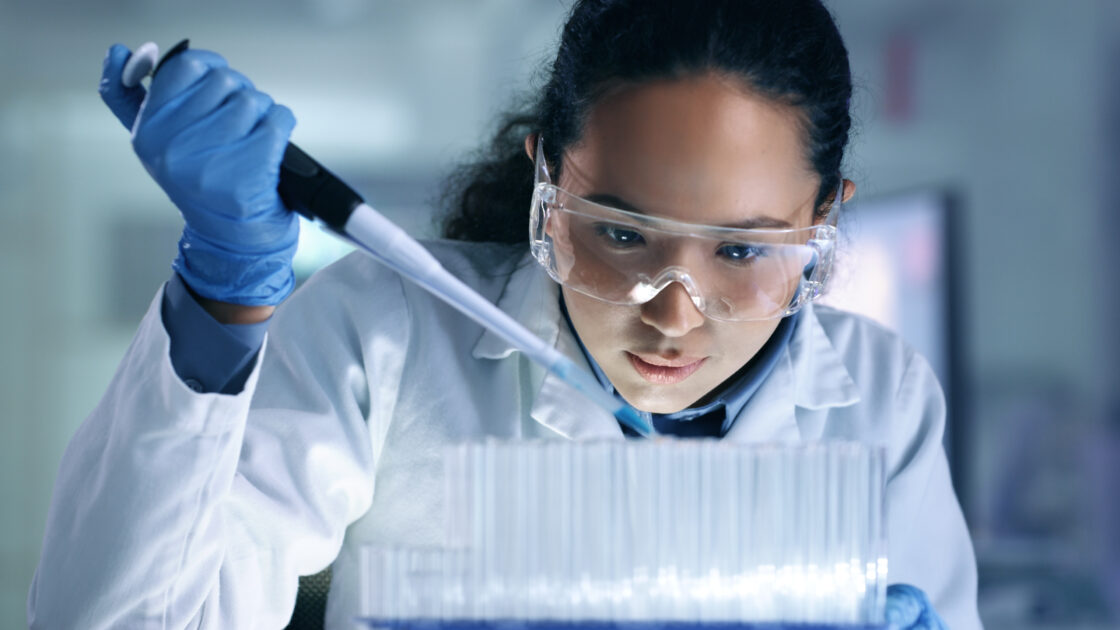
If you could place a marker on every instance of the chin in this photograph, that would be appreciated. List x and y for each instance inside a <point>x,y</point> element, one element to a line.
<point>659,402</point>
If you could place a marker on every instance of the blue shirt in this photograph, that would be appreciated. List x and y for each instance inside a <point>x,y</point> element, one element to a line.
<point>712,419</point>
<point>207,355</point>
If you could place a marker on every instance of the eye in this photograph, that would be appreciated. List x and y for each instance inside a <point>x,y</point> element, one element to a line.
<point>619,236</point>
<point>740,252</point>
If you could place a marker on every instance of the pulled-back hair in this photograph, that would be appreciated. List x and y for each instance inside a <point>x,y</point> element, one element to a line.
<point>789,51</point>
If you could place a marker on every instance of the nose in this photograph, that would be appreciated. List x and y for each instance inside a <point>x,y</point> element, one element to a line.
<point>672,312</point>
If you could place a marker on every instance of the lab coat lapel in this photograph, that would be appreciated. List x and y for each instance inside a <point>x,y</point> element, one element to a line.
<point>532,298</point>
<point>769,415</point>
<point>811,375</point>
<point>565,410</point>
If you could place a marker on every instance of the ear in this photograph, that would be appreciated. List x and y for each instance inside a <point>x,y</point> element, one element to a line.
<point>849,192</point>
<point>531,146</point>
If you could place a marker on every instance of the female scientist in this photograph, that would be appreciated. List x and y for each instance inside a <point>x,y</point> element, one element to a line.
<point>223,463</point>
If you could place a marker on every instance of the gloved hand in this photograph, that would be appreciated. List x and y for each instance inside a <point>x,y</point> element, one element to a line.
<point>908,608</point>
<point>214,144</point>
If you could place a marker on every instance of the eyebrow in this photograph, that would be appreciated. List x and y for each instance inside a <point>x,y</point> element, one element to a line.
<point>753,223</point>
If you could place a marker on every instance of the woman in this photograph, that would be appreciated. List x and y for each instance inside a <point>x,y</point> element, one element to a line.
<point>219,467</point>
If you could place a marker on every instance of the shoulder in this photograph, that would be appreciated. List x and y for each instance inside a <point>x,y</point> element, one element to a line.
<point>900,398</point>
<point>896,385</point>
<point>852,331</point>
<point>873,354</point>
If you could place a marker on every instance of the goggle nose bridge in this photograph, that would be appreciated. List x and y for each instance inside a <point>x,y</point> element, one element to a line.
<point>666,277</point>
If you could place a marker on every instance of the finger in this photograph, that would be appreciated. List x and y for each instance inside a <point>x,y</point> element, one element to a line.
<point>178,74</point>
<point>248,170</point>
<point>271,136</point>
<point>191,106</point>
<point>229,123</point>
<point>268,140</point>
<point>123,101</point>
<point>197,100</point>
<point>279,121</point>
<point>241,113</point>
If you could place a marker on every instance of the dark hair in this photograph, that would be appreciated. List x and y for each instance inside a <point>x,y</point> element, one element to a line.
<point>786,50</point>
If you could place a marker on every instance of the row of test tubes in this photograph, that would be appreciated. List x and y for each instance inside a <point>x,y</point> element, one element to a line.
<point>666,531</point>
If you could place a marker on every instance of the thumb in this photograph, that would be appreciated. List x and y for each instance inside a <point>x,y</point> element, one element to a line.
<point>123,101</point>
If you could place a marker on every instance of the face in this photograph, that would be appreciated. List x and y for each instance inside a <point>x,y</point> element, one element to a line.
<point>701,150</point>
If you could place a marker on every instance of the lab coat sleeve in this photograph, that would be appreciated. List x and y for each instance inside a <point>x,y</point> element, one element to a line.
<point>929,541</point>
<point>175,509</point>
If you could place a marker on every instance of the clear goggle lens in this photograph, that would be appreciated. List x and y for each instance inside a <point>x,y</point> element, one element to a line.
<point>628,258</point>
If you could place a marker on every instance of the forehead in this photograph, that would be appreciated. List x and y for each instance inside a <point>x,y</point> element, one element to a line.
<point>702,149</point>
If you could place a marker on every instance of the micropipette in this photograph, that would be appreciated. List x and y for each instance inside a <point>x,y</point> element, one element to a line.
<point>313,191</point>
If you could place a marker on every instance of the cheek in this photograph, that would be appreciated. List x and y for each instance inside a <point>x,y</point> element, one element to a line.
<point>740,341</point>
<point>599,323</point>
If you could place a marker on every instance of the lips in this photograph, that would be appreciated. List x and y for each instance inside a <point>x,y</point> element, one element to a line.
<point>661,371</point>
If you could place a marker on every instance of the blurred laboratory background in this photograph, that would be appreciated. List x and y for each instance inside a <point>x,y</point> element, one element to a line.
<point>986,151</point>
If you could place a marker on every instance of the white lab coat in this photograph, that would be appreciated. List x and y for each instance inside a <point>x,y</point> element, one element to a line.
<point>176,509</point>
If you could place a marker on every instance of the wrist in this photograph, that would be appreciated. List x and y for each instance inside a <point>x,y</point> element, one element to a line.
<point>214,273</point>
<point>229,312</point>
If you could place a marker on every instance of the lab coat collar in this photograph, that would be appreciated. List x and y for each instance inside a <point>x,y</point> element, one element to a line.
<point>532,298</point>
<point>810,374</point>
<point>820,378</point>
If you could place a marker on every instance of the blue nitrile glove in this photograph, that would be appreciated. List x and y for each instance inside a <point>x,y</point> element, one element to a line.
<point>908,608</point>
<point>214,144</point>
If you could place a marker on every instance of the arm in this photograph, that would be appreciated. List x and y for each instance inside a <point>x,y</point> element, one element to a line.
<point>929,541</point>
<point>177,509</point>
<point>132,483</point>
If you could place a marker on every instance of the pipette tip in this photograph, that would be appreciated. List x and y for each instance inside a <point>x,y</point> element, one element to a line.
<point>630,417</point>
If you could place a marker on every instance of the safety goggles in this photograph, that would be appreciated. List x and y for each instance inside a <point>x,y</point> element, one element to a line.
<point>627,258</point>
